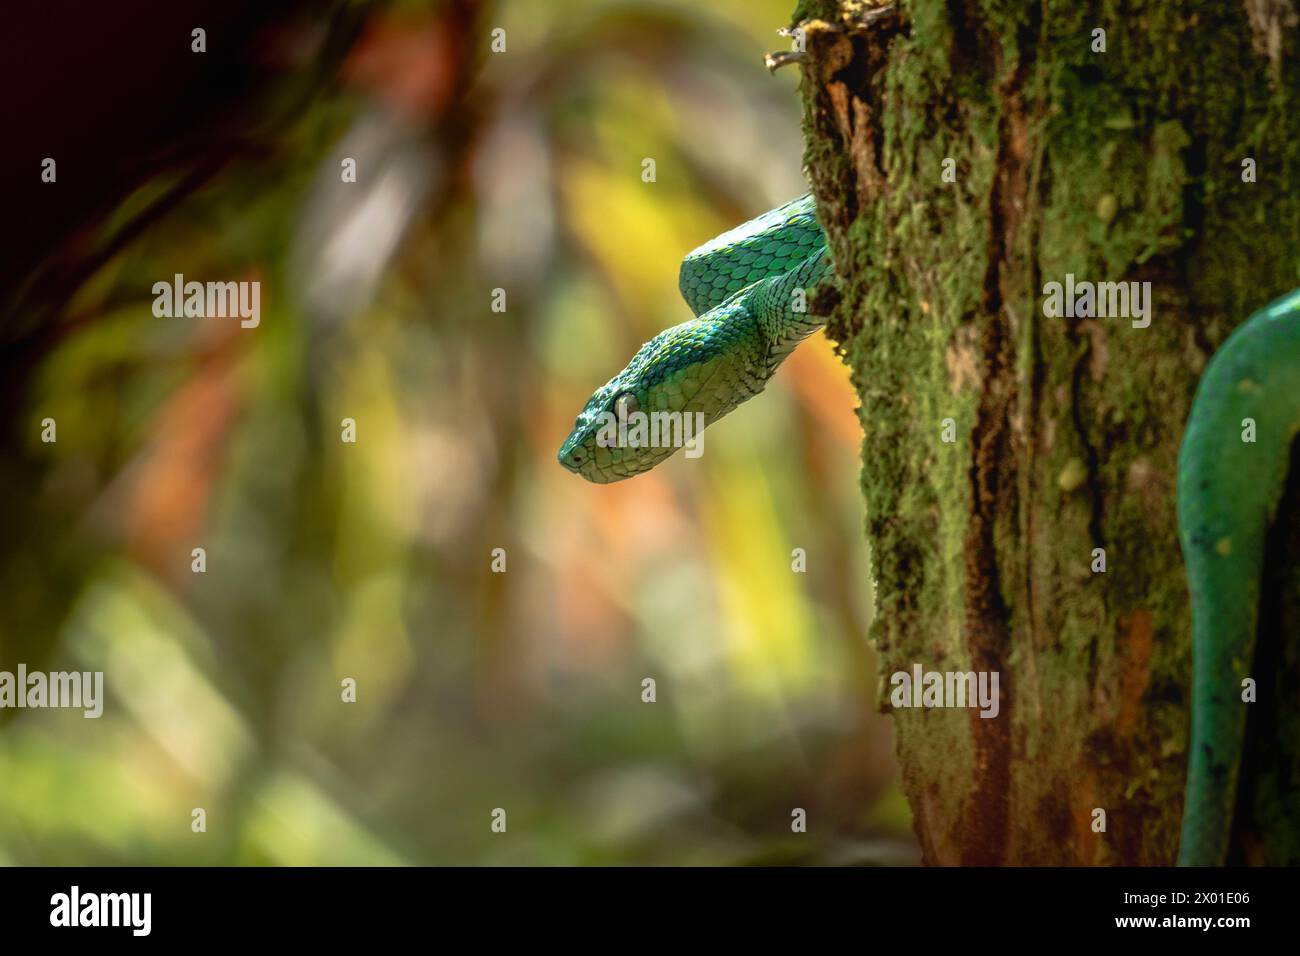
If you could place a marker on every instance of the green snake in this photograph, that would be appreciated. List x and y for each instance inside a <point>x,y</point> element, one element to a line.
<point>743,288</point>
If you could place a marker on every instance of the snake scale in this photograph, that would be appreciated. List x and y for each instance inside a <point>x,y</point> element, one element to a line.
<point>744,288</point>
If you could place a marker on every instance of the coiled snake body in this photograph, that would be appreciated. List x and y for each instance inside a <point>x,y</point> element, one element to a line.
<point>745,289</point>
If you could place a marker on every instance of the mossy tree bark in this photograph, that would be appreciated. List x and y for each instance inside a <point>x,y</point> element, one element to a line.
<point>1122,165</point>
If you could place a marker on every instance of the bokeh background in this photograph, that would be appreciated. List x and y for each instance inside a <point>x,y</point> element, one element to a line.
<point>521,171</point>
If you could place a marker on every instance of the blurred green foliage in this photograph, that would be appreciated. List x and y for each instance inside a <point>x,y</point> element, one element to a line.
<point>328,560</point>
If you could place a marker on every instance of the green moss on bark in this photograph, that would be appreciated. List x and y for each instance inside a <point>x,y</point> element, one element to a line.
<point>1115,166</point>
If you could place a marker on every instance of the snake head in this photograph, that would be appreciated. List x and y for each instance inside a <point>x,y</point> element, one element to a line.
<point>677,384</point>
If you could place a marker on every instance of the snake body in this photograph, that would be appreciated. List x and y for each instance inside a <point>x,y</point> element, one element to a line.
<point>1232,470</point>
<point>1230,480</point>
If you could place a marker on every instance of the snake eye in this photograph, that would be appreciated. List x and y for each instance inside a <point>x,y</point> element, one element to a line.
<point>626,404</point>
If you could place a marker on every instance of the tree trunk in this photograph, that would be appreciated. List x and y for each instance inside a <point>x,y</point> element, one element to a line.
<point>1117,165</point>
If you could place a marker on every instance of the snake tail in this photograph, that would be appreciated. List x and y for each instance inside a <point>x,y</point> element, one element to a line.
<point>1232,470</point>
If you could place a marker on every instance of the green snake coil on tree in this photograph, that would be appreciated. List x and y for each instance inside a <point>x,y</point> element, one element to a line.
<point>1119,165</point>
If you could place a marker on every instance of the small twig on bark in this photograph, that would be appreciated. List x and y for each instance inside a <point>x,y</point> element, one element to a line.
<point>774,61</point>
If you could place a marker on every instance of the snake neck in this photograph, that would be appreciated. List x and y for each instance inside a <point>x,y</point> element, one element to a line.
<point>782,307</point>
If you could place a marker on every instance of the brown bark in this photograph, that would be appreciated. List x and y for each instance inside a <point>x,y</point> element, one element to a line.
<point>1122,165</point>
